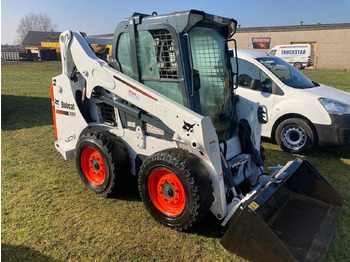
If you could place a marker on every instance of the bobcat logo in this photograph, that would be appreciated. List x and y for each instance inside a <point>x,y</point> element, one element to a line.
<point>57,102</point>
<point>188,127</point>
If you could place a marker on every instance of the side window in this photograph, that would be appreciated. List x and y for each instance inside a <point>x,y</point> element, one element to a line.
<point>124,54</point>
<point>248,72</point>
<point>272,52</point>
<point>157,63</point>
<point>266,82</point>
<point>147,57</point>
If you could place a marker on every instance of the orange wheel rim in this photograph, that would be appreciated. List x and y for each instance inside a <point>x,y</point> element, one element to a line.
<point>166,192</point>
<point>93,166</point>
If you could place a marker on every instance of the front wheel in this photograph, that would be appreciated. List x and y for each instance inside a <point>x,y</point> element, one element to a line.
<point>295,135</point>
<point>175,188</point>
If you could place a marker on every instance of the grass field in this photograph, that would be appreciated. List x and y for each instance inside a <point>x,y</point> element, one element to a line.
<point>47,215</point>
<point>337,79</point>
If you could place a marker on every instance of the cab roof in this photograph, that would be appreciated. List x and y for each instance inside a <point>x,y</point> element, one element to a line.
<point>183,21</point>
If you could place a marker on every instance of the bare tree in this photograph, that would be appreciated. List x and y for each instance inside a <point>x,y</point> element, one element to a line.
<point>34,22</point>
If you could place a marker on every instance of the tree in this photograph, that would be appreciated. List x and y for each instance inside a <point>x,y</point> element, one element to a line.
<point>34,22</point>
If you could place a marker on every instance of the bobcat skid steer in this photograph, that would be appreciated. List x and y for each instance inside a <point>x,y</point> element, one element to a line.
<point>164,110</point>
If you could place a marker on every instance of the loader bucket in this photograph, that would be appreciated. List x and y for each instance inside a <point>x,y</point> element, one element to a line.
<point>291,219</point>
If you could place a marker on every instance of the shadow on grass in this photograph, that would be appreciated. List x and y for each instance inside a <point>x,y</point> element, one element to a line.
<point>19,112</point>
<point>128,190</point>
<point>209,227</point>
<point>330,152</point>
<point>21,253</point>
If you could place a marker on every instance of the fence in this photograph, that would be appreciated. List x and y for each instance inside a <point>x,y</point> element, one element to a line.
<point>10,56</point>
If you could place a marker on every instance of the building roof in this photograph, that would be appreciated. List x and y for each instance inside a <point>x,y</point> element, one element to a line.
<point>294,28</point>
<point>34,38</point>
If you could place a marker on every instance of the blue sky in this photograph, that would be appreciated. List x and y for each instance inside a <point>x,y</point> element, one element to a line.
<point>101,17</point>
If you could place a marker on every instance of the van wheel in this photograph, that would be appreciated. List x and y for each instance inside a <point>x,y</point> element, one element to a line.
<point>295,135</point>
<point>298,65</point>
<point>175,188</point>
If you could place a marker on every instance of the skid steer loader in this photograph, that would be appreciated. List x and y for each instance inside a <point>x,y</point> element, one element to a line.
<point>164,109</point>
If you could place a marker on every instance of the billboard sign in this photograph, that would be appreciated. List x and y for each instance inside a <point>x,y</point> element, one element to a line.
<point>259,42</point>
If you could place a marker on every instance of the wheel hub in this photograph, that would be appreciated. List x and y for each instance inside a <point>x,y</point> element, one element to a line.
<point>169,191</point>
<point>293,137</point>
<point>166,192</point>
<point>96,165</point>
<point>93,166</point>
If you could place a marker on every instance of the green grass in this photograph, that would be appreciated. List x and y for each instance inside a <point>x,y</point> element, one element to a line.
<point>47,215</point>
<point>337,79</point>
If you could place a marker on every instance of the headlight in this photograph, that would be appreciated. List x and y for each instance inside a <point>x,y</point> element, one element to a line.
<point>335,107</point>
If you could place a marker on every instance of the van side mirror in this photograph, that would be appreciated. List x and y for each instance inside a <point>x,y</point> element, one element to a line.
<point>256,84</point>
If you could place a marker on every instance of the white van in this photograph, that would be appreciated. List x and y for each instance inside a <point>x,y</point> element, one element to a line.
<point>300,56</point>
<point>301,113</point>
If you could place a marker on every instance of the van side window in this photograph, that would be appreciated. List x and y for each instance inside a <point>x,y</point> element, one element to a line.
<point>266,82</point>
<point>272,52</point>
<point>248,72</point>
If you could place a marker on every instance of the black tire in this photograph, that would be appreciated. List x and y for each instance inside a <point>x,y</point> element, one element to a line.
<point>109,159</point>
<point>295,135</point>
<point>298,65</point>
<point>194,178</point>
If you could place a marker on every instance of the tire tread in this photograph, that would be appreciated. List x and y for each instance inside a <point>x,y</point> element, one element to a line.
<point>117,154</point>
<point>197,178</point>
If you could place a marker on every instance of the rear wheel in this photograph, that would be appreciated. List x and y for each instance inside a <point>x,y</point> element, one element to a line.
<point>295,135</point>
<point>298,65</point>
<point>175,188</point>
<point>101,160</point>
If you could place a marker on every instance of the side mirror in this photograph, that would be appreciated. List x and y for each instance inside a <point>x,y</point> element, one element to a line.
<point>256,84</point>
<point>230,53</point>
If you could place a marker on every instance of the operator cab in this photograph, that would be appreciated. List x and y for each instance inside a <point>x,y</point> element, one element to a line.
<point>183,56</point>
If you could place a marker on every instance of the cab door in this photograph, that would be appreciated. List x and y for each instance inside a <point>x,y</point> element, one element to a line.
<point>247,72</point>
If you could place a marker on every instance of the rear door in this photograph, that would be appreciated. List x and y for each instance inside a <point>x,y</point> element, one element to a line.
<point>247,72</point>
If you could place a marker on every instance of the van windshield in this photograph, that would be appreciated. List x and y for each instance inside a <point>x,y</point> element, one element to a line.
<point>286,73</point>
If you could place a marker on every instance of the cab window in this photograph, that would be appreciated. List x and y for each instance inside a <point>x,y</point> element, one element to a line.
<point>272,52</point>
<point>124,54</point>
<point>157,63</point>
